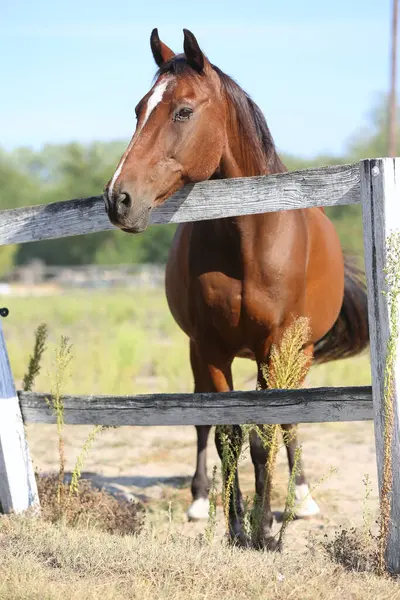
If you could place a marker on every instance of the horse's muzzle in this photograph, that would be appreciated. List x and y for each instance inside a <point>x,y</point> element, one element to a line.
<point>129,216</point>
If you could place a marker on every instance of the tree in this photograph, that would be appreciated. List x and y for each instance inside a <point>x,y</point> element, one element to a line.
<point>62,172</point>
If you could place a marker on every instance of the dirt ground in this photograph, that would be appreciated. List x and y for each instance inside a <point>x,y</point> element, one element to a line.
<point>155,465</point>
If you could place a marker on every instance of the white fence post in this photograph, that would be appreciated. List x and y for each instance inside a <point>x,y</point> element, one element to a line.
<point>17,480</point>
<point>380,197</point>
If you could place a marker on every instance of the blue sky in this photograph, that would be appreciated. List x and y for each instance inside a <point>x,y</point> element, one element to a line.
<point>75,70</point>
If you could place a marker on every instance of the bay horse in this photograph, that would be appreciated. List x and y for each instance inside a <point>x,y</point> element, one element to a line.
<point>233,284</point>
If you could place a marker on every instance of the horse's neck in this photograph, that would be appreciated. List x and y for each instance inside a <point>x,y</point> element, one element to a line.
<point>236,162</point>
<point>241,159</point>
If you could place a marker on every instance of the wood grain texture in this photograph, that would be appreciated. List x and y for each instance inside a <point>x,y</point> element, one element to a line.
<point>380,188</point>
<point>328,186</point>
<point>272,406</point>
<point>18,490</point>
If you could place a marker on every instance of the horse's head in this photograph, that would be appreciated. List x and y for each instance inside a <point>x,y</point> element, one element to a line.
<point>179,137</point>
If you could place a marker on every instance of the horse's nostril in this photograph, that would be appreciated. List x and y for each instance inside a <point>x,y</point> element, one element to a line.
<point>125,199</point>
<point>123,203</point>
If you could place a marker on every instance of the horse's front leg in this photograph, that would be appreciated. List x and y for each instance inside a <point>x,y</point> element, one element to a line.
<point>200,483</point>
<point>263,450</point>
<point>262,520</point>
<point>228,439</point>
<point>212,373</point>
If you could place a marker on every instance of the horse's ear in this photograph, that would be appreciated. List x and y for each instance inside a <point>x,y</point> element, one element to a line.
<point>160,51</point>
<point>194,55</point>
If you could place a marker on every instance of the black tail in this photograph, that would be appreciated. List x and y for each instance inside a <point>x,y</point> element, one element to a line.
<point>349,335</point>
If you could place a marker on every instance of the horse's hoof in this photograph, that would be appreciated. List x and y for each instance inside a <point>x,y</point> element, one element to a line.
<point>199,509</point>
<point>239,540</point>
<point>304,504</point>
<point>267,542</point>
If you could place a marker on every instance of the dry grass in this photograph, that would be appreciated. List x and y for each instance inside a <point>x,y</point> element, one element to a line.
<point>43,560</point>
<point>40,561</point>
<point>353,549</point>
<point>89,507</point>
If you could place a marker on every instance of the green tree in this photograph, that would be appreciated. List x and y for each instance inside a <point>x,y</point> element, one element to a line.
<point>62,172</point>
<point>372,140</point>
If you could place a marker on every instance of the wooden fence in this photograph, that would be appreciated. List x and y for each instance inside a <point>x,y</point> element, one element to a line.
<point>372,182</point>
<point>37,273</point>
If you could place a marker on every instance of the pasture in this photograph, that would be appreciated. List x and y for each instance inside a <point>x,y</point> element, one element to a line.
<point>125,342</point>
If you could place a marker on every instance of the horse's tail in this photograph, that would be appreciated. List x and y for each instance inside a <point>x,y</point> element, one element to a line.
<point>349,335</point>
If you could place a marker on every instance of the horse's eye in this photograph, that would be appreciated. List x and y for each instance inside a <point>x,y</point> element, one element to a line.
<point>183,114</point>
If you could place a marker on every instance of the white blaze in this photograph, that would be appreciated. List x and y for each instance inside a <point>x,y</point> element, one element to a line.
<point>155,99</point>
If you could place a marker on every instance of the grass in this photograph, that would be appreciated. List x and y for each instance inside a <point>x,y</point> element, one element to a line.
<point>87,507</point>
<point>126,342</point>
<point>41,562</point>
<point>78,502</point>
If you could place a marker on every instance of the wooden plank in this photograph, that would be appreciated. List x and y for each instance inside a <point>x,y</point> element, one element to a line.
<point>328,186</point>
<point>272,406</point>
<point>18,490</point>
<point>381,216</point>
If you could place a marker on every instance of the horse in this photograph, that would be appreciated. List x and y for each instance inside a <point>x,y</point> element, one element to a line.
<point>233,284</point>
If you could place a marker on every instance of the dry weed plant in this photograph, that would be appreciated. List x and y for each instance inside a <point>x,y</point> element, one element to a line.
<point>392,278</point>
<point>58,378</point>
<point>362,550</point>
<point>289,363</point>
<point>76,473</point>
<point>88,507</point>
<point>35,359</point>
<point>355,549</point>
<point>209,532</point>
<point>288,366</point>
<point>77,503</point>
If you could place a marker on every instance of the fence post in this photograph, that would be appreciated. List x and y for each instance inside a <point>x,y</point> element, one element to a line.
<point>17,480</point>
<point>380,198</point>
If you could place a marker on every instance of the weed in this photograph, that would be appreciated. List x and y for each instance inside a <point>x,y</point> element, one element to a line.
<point>231,444</point>
<point>392,277</point>
<point>61,372</point>
<point>76,473</point>
<point>88,507</point>
<point>289,512</point>
<point>212,511</point>
<point>35,359</point>
<point>350,549</point>
<point>367,517</point>
<point>287,368</point>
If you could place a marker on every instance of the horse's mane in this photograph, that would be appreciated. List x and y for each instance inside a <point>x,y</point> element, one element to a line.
<point>257,145</point>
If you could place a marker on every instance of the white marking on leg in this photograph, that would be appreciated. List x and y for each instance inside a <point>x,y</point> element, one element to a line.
<point>155,99</point>
<point>304,503</point>
<point>198,510</point>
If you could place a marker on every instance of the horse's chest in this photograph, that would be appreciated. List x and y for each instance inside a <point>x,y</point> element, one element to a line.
<point>219,297</point>
<point>232,308</point>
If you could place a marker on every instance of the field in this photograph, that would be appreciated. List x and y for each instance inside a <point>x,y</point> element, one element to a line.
<point>125,342</point>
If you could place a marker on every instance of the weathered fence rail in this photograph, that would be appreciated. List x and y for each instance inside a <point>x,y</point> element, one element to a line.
<point>314,405</point>
<point>375,183</point>
<point>329,186</point>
